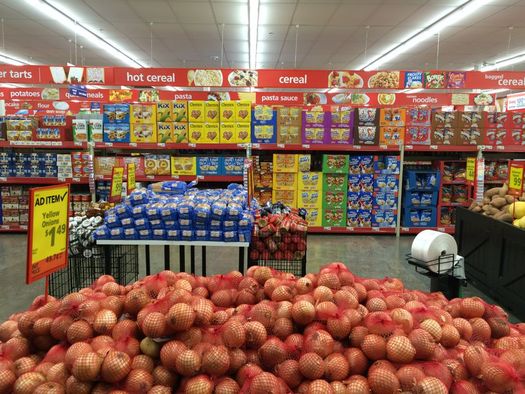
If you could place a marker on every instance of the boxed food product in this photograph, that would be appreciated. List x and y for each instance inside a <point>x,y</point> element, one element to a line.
<point>164,132</point>
<point>309,199</point>
<point>137,160</point>
<point>385,200</point>
<point>114,132</point>
<point>417,135</point>
<point>211,133</point>
<point>287,197</point>
<point>289,121</point>
<point>367,117</point>
<point>209,165</point>
<point>143,113</point>
<point>263,133</point>
<point>386,164</point>
<point>418,116</point>
<point>183,166</point>
<point>365,218</point>
<point>285,162</point>
<point>196,131</point>
<point>233,165</point>
<point>442,119</point>
<point>471,136</point>
<point>211,112</point>
<point>180,132</point>
<point>227,111</point>
<point>227,133</point>
<point>180,111</point>
<point>165,111</point>
<point>242,133</point>
<point>96,130</point>
<point>150,164</point>
<point>304,162</point>
<point>243,111</point>
<point>392,117</point>
<point>354,182</point>
<point>108,114</point>
<point>420,217</point>
<point>366,135</point>
<point>143,132</point>
<point>310,181</point>
<point>366,182</point>
<point>80,130</point>
<point>335,164</point>
<point>386,183</point>
<point>314,217</point>
<point>284,181</point>
<point>335,182</point>
<point>313,134</point>
<point>366,200</point>
<point>471,119</point>
<point>444,136</point>
<point>352,217</point>
<point>163,165</point>
<point>334,217</point>
<point>384,218</point>
<point>196,111</point>
<point>391,135</point>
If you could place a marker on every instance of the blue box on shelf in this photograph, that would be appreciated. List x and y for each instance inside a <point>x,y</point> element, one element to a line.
<point>233,165</point>
<point>420,199</point>
<point>422,180</point>
<point>384,218</point>
<point>209,165</point>
<point>420,217</point>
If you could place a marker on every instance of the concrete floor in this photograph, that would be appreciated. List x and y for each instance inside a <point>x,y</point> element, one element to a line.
<point>367,256</point>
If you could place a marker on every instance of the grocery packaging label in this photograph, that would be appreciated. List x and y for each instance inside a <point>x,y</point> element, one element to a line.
<point>242,133</point>
<point>165,132</point>
<point>165,111</point>
<point>227,111</point>
<point>196,131</point>
<point>211,111</point>
<point>141,132</point>
<point>180,111</point>
<point>211,133</point>
<point>227,133</point>
<point>196,112</point>
<point>180,133</point>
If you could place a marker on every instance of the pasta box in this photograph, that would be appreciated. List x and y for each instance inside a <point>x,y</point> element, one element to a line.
<point>183,166</point>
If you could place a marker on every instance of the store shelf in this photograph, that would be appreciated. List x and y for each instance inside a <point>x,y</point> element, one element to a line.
<point>441,148</point>
<point>43,181</point>
<point>185,178</point>
<point>416,230</point>
<point>165,146</point>
<point>43,144</point>
<point>376,230</point>
<point>453,204</point>
<point>495,181</point>
<point>327,147</point>
<point>12,228</point>
<point>454,182</point>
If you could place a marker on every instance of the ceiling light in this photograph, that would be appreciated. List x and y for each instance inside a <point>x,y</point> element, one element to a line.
<point>8,85</point>
<point>172,88</point>
<point>10,59</point>
<point>504,62</point>
<point>70,21</point>
<point>254,24</point>
<point>435,27</point>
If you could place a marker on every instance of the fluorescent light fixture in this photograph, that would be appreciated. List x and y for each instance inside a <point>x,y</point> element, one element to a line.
<point>461,12</point>
<point>70,21</point>
<point>504,62</point>
<point>253,11</point>
<point>8,85</point>
<point>172,88</point>
<point>10,59</point>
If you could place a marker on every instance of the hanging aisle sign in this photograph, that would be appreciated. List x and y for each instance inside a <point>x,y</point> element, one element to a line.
<point>48,231</point>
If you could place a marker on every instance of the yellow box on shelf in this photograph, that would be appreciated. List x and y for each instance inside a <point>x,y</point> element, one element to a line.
<point>243,110</point>
<point>183,166</point>
<point>164,132</point>
<point>284,181</point>
<point>211,133</point>
<point>287,197</point>
<point>196,133</point>
<point>304,162</point>
<point>196,111</point>
<point>142,132</point>
<point>227,133</point>
<point>283,162</point>
<point>314,217</point>
<point>242,133</point>
<point>309,199</point>
<point>180,132</point>
<point>227,111</point>
<point>310,181</point>
<point>164,111</point>
<point>180,111</point>
<point>143,113</point>
<point>211,112</point>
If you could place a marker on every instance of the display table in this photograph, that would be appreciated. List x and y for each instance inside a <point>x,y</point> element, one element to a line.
<point>494,261</point>
<point>243,247</point>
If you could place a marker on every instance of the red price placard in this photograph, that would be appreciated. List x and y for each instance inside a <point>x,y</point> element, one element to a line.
<point>515,180</point>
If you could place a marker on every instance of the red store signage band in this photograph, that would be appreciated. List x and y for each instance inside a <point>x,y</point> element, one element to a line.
<point>267,78</point>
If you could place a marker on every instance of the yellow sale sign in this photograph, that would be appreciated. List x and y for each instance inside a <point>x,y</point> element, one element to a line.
<point>116,184</point>
<point>515,179</point>
<point>471,169</point>
<point>132,185</point>
<point>48,231</point>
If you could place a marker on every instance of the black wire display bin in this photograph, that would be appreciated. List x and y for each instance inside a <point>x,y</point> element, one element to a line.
<point>447,281</point>
<point>120,261</point>
<point>284,247</point>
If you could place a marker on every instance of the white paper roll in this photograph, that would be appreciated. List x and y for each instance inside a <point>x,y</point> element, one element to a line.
<point>429,245</point>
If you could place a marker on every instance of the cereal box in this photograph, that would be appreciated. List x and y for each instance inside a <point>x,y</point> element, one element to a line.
<point>142,132</point>
<point>335,182</point>
<point>334,199</point>
<point>392,117</point>
<point>304,162</point>
<point>233,165</point>
<point>285,181</point>
<point>183,166</point>
<point>150,164</point>
<point>386,164</point>
<point>417,135</point>
<point>309,199</point>
<point>211,133</point>
<point>208,165</point>
<point>444,136</point>
<point>391,135</point>
<point>353,201</point>
<point>108,115</point>
<point>335,164</point>
<point>352,219</point>
<point>314,217</point>
<point>243,110</point>
<point>165,111</point>
<point>384,218</point>
<point>366,200</point>
<point>289,122</point>
<point>164,132</point>
<point>227,111</point>
<point>334,217</point>
<point>96,130</point>
<point>180,132</point>
<point>196,112</point>
<point>141,113</point>
<point>180,111</point>
<point>310,181</point>
<point>196,131</point>
<point>227,133</point>
<point>287,197</point>
<point>211,112</point>
<point>80,130</point>
<point>163,164</point>
<point>285,162</point>
<point>263,113</point>
<point>365,218</point>
<point>242,133</point>
<point>116,132</point>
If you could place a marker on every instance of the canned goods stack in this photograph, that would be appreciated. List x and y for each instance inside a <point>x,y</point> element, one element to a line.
<point>79,205</point>
<point>81,240</point>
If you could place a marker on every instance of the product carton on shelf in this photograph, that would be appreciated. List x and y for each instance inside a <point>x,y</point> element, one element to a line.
<point>139,164</point>
<point>96,130</point>
<point>417,135</point>
<point>243,110</point>
<point>471,136</point>
<point>304,162</point>
<point>285,162</point>
<point>209,165</point>
<point>392,117</point>
<point>211,133</point>
<point>314,217</point>
<point>341,129</point>
<point>335,164</point>
<point>384,218</point>
<point>445,119</point>
<point>143,132</point>
<point>227,131</point>
<point>114,132</point>
<point>227,111</point>
<point>284,181</point>
<point>196,111</point>
<point>287,197</point>
<point>233,165</point>
<point>165,132</point>
<point>334,217</point>
<point>444,136</point>
<point>391,135</point>
<point>309,199</point>
<point>289,122</point>
<point>143,113</point>
<point>211,112</point>
<point>165,111</point>
<point>315,127</point>
<point>335,182</point>
<point>242,133</point>
<point>183,166</point>
<point>80,130</point>
<point>157,165</point>
<point>196,133</point>
<point>180,111</point>
<point>366,130</point>
<point>180,132</point>
<point>334,199</point>
<point>310,181</point>
<point>263,125</point>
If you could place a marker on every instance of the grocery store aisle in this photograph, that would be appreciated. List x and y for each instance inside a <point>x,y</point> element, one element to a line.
<point>368,256</point>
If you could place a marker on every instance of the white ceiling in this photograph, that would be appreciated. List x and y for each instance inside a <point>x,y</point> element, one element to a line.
<point>331,33</point>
